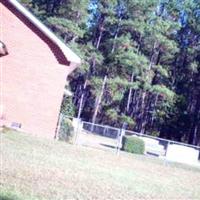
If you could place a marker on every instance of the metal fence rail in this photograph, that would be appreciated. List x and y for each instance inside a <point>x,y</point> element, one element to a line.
<point>98,135</point>
<point>159,149</point>
<point>128,132</point>
<point>106,131</point>
<point>112,132</point>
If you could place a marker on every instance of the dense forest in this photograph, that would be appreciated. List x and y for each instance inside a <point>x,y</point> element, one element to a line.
<point>140,62</point>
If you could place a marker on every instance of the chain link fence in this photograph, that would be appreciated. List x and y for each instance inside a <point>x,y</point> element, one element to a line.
<point>159,146</point>
<point>99,136</point>
<point>110,138</point>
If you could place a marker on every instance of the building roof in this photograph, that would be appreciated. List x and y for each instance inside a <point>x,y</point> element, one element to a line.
<point>68,53</point>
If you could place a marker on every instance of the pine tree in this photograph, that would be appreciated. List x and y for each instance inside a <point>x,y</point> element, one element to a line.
<point>140,62</point>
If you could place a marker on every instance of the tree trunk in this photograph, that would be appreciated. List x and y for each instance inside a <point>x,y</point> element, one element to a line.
<point>99,39</point>
<point>85,85</point>
<point>81,100</point>
<point>143,122</point>
<point>134,102</point>
<point>154,107</point>
<point>138,101</point>
<point>152,56</point>
<point>99,98</point>
<point>194,142</point>
<point>116,35</point>
<point>129,95</point>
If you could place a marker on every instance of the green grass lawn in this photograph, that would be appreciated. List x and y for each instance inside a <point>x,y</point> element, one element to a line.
<point>34,168</point>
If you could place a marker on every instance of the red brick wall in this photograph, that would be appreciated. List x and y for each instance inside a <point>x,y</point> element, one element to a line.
<point>32,78</point>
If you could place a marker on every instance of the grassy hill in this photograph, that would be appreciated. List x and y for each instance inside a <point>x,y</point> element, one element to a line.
<point>35,168</point>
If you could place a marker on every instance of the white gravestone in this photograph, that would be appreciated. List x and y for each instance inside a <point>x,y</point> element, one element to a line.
<point>182,154</point>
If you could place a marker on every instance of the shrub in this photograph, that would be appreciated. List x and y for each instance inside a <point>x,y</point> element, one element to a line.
<point>133,144</point>
<point>155,133</point>
<point>67,106</point>
<point>5,129</point>
<point>66,131</point>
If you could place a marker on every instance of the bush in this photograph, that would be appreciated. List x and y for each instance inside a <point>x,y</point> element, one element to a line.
<point>67,106</point>
<point>66,131</point>
<point>155,133</point>
<point>133,144</point>
<point>5,129</point>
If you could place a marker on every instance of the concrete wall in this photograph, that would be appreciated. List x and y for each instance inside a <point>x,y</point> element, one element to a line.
<point>182,154</point>
<point>152,146</point>
<point>32,75</point>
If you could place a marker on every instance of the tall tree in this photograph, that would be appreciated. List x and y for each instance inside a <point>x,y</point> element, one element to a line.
<point>141,62</point>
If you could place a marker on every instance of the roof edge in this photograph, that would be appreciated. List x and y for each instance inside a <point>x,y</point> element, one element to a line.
<point>69,54</point>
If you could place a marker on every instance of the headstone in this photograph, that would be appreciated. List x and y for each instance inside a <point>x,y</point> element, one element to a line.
<point>183,154</point>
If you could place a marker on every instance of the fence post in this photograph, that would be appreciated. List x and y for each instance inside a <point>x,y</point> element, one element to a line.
<point>168,143</point>
<point>105,130</point>
<point>165,159</point>
<point>58,126</point>
<point>78,127</point>
<point>121,134</point>
<point>117,146</point>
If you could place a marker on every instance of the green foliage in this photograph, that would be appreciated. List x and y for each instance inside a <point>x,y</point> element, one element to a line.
<point>116,88</point>
<point>133,144</point>
<point>164,91</point>
<point>161,70</point>
<point>5,129</point>
<point>148,49</point>
<point>112,114</point>
<point>66,132</point>
<point>155,133</point>
<point>96,85</point>
<point>79,49</point>
<point>128,120</point>
<point>66,26</point>
<point>26,2</point>
<point>194,66</point>
<point>8,196</point>
<point>67,107</point>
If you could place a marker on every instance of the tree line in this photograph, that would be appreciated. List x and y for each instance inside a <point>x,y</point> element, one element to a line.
<point>140,62</point>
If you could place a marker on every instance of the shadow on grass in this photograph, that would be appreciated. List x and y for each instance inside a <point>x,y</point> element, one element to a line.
<point>7,197</point>
<point>109,146</point>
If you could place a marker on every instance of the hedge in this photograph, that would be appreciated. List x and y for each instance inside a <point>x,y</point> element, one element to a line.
<point>133,144</point>
<point>66,132</point>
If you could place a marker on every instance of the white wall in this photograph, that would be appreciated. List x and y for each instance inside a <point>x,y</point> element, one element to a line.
<point>182,154</point>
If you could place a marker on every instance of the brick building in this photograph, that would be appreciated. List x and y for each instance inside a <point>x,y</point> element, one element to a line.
<point>34,66</point>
